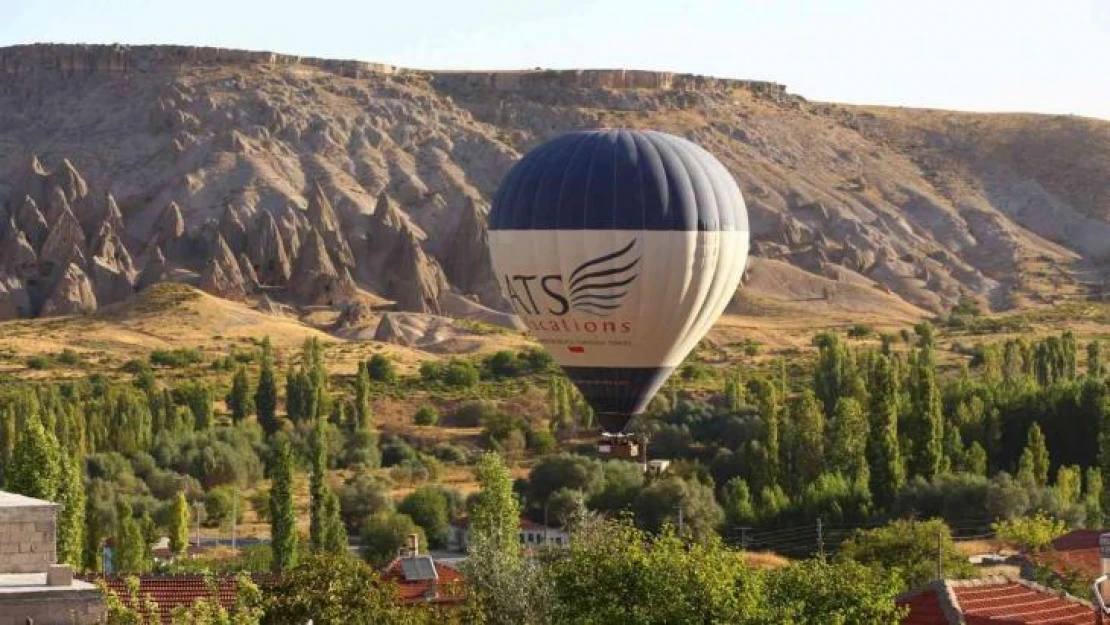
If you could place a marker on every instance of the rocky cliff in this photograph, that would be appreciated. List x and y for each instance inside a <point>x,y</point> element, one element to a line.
<point>342,183</point>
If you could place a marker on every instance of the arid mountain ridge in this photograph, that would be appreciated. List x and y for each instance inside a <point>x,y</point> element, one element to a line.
<point>278,179</point>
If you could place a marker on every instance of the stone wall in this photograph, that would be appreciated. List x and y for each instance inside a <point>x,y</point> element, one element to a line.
<point>27,539</point>
<point>78,607</point>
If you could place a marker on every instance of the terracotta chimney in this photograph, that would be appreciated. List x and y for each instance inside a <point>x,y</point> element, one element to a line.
<point>414,545</point>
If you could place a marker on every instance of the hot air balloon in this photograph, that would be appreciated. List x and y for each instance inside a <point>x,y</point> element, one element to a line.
<point>618,249</point>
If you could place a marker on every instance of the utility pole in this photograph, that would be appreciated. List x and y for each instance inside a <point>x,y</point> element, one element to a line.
<point>820,540</point>
<point>196,506</point>
<point>545,505</point>
<point>680,519</point>
<point>940,554</point>
<point>234,515</point>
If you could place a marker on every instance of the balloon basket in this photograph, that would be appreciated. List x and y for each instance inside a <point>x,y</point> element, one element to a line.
<point>625,446</point>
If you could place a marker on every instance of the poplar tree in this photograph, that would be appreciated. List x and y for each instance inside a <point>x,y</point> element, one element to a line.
<point>362,398</point>
<point>884,454</point>
<point>283,521</point>
<point>1039,453</point>
<point>238,400</point>
<point>317,489</point>
<point>265,396</point>
<point>71,518</point>
<point>128,550</point>
<point>35,469</point>
<point>179,525</point>
<point>847,448</point>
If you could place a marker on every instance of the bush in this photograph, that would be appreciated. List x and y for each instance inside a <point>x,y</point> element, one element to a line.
<point>426,415</point>
<point>175,358</point>
<point>381,369</point>
<point>361,497</point>
<point>460,373</point>
<point>430,508</point>
<point>454,454</point>
<point>540,441</point>
<point>503,364</point>
<point>694,372</point>
<point>911,548</point>
<point>1030,533</point>
<point>384,533</point>
<point>39,363</point>
<point>472,414</point>
<point>396,450</point>
<point>69,358</point>
<point>860,331</point>
<point>219,504</point>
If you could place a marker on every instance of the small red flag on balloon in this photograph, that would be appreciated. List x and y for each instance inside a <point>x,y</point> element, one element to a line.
<point>577,349</point>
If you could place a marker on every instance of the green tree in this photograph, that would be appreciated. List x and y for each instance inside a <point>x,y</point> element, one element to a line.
<point>384,534</point>
<point>975,461</point>
<point>927,421</point>
<point>615,573</point>
<point>429,508</point>
<point>283,521</point>
<point>335,590</point>
<point>36,469</point>
<point>381,368</point>
<point>179,525</point>
<point>1069,484</point>
<point>766,399</point>
<point>333,539</point>
<point>129,550</point>
<point>504,588</point>
<point>736,499</point>
<point>426,415</point>
<point>1095,366</point>
<point>1032,533</point>
<point>265,396</point>
<point>71,518</point>
<point>675,501</point>
<point>317,488</point>
<point>239,399</point>
<point>1039,451</point>
<point>883,451</point>
<point>843,591</point>
<point>848,439</point>
<point>910,548</point>
<point>362,398</point>
<point>807,439</point>
<point>92,556</point>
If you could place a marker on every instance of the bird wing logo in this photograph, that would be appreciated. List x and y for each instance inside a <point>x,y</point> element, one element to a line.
<point>599,285</point>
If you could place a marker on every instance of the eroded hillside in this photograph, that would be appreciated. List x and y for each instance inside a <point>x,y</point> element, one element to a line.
<point>282,180</point>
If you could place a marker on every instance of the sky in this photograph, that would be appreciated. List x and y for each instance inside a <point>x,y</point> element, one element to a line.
<point>980,55</point>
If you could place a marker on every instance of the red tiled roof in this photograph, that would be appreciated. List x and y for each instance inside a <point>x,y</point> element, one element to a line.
<point>449,586</point>
<point>172,591</point>
<point>994,601</point>
<point>1077,551</point>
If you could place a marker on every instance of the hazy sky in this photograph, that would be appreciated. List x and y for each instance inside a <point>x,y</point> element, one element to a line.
<point>990,55</point>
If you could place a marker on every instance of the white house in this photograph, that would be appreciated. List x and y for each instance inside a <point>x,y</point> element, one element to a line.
<point>531,534</point>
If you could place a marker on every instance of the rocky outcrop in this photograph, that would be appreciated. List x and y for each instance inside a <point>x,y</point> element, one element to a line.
<point>466,259</point>
<point>322,217</point>
<point>15,301</point>
<point>154,269</point>
<point>315,279</point>
<point>72,294</point>
<point>64,239</point>
<point>401,269</point>
<point>31,221</point>
<point>168,231</point>
<point>250,278</point>
<point>222,277</point>
<point>17,256</point>
<point>267,254</point>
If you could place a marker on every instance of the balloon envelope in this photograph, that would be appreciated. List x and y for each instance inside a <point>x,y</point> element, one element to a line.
<point>618,249</point>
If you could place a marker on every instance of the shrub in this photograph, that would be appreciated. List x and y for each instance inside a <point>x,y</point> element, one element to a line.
<point>39,363</point>
<point>860,331</point>
<point>219,504</point>
<point>175,358</point>
<point>472,414</point>
<point>380,368</point>
<point>460,373</point>
<point>426,415</point>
